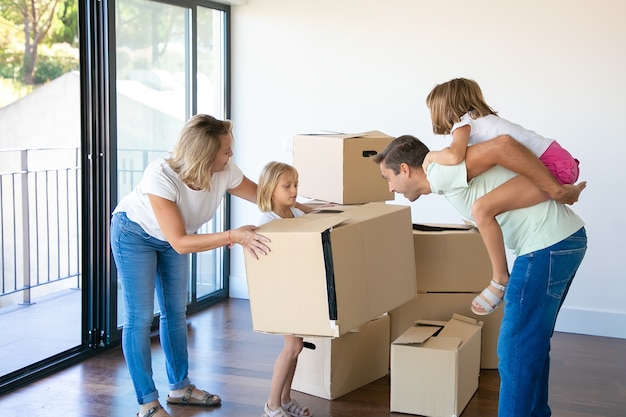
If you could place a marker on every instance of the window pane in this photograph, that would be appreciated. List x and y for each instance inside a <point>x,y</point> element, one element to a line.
<point>210,41</point>
<point>40,183</point>
<point>152,58</point>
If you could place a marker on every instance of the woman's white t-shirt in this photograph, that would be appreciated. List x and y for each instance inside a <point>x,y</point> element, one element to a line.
<point>196,207</point>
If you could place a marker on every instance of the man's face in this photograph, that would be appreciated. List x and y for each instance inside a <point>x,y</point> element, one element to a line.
<point>410,182</point>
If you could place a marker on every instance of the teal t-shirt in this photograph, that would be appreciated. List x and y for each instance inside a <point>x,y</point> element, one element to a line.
<point>525,230</point>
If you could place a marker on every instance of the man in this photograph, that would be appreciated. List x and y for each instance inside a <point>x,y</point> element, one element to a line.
<point>548,239</point>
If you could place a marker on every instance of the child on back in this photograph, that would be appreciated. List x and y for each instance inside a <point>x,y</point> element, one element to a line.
<point>457,107</point>
<point>276,197</point>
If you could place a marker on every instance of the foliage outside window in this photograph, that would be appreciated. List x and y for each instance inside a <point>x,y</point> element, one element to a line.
<point>38,43</point>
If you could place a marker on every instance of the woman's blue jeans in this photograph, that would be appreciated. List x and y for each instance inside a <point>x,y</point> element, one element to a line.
<point>145,264</point>
<point>537,287</point>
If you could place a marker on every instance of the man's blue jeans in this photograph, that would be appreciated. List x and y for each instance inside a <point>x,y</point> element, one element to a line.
<point>144,264</point>
<point>537,287</point>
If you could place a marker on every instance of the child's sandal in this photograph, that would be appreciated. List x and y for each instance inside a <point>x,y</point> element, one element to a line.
<point>488,300</point>
<point>279,412</point>
<point>295,409</point>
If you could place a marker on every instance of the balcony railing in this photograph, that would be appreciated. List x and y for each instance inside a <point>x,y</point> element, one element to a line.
<point>39,221</point>
<point>40,226</point>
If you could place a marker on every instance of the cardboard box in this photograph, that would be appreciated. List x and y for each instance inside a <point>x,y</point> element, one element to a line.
<point>440,306</point>
<point>435,369</point>
<point>338,168</point>
<point>332,271</point>
<point>450,258</point>
<point>341,365</point>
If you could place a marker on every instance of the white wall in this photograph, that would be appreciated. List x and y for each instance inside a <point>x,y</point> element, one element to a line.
<point>556,67</point>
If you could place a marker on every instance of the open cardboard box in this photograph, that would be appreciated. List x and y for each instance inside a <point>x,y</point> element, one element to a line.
<point>329,272</point>
<point>435,367</point>
<point>338,167</point>
<point>441,306</point>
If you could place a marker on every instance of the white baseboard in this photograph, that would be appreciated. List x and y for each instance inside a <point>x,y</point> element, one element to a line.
<point>592,322</point>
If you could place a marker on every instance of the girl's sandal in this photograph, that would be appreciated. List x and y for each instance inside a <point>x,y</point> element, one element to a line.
<point>488,300</point>
<point>279,412</point>
<point>295,409</point>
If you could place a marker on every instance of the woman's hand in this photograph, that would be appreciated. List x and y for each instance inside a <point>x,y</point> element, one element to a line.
<point>253,242</point>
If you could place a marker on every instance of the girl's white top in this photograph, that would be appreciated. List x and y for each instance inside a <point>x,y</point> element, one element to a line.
<point>490,126</point>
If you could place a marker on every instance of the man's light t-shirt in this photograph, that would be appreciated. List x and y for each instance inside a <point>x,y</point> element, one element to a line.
<point>525,230</point>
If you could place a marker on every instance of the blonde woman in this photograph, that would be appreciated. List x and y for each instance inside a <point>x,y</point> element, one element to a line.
<point>153,229</point>
<point>457,107</point>
<point>276,198</point>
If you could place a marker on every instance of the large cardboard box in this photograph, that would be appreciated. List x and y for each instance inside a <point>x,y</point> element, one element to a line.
<point>332,271</point>
<point>450,258</point>
<point>338,168</point>
<point>340,365</point>
<point>441,306</point>
<point>435,369</point>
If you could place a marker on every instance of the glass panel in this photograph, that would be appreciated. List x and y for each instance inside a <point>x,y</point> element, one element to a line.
<point>152,56</point>
<point>40,183</point>
<point>210,52</point>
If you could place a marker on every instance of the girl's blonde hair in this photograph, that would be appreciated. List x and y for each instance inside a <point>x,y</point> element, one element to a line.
<point>268,181</point>
<point>451,100</point>
<point>198,144</point>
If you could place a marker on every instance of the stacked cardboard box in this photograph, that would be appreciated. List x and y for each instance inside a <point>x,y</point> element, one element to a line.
<point>336,270</point>
<point>452,267</point>
<point>337,366</point>
<point>338,168</point>
<point>331,271</point>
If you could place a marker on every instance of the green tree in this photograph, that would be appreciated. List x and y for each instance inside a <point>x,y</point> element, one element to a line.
<point>36,16</point>
<point>65,26</point>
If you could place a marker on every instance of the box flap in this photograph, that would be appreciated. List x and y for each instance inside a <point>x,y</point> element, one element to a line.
<point>439,323</point>
<point>368,134</point>
<point>416,335</point>
<point>304,224</point>
<point>424,227</point>
<point>465,319</point>
<point>460,326</point>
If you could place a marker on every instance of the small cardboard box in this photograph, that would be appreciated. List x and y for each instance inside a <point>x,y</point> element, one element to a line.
<point>338,168</point>
<point>332,271</point>
<point>435,368</point>
<point>450,258</point>
<point>440,306</point>
<point>340,365</point>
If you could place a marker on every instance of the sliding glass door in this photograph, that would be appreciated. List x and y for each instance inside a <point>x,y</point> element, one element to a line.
<point>94,92</point>
<point>170,64</point>
<point>40,186</point>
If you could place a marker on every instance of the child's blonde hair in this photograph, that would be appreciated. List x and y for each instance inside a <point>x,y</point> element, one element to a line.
<point>451,100</point>
<point>268,180</point>
<point>198,144</point>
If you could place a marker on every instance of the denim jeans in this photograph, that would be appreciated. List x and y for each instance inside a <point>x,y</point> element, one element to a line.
<point>146,264</point>
<point>537,287</point>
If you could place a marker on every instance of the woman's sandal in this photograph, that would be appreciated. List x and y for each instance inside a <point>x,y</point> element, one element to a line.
<point>488,300</point>
<point>209,400</point>
<point>279,412</point>
<point>153,411</point>
<point>295,409</point>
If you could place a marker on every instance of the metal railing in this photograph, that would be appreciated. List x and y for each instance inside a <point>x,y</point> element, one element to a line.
<point>39,219</point>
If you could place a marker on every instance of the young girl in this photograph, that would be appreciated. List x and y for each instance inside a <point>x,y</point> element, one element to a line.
<point>276,198</point>
<point>457,107</point>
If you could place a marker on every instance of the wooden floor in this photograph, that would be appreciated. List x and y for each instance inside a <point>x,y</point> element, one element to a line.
<point>227,357</point>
